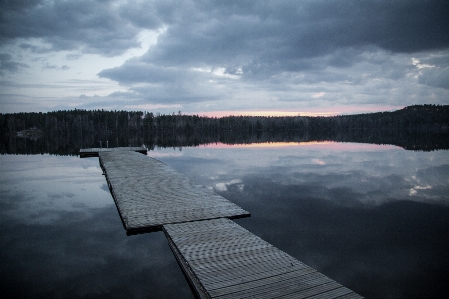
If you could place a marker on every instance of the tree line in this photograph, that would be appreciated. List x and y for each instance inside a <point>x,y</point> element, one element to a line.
<point>418,127</point>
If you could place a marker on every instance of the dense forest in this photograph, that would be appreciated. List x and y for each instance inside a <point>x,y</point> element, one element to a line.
<point>419,127</point>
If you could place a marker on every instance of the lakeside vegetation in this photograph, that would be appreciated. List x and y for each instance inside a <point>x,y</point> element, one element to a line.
<point>418,127</point>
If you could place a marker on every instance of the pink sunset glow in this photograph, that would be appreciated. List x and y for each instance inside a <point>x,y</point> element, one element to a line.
<point>330,145</point>
<point>344,110</point>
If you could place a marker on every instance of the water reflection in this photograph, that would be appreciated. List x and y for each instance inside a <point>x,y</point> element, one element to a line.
<point>374,219</point>
<point>61,237</point>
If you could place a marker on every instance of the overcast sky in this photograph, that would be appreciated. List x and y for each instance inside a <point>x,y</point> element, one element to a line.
<point>224,56</point>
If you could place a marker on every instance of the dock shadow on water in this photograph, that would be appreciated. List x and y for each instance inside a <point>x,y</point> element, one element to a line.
<point>373,218</point>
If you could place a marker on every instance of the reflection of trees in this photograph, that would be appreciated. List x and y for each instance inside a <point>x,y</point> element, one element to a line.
<point>424,127</point>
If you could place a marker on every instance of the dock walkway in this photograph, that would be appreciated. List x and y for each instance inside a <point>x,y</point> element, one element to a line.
<point>223,260</point>
<point>219,258</point>
<point>149,194</point>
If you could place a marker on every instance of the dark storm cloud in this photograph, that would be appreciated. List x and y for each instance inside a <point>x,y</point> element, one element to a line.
<point>93,26</point>
<point>149,14</point>
<point>216,31</point>
<point>291,30</point>
<point>260,39</point>
<point>398,26</point>
<point>6,64</point>
<point>17,5</point>
<point>34,48</point>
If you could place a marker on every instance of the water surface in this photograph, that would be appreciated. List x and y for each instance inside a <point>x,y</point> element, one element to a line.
<point>61,236</point>
<point>374,218</point>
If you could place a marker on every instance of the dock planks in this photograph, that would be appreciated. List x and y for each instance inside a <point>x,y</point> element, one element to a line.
<point>93,152</point>
<point>223,260</point>
<point>149,194</point>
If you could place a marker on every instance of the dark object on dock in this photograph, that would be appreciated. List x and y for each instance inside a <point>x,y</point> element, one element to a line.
<point>149,194</point>
<point>93,152</point>
<point>222,259</point>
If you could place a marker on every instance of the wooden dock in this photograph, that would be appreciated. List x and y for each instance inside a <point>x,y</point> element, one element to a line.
<point>224,260</point>
<point>219,258</point>
<point>149,194</point>
<point>93,152</point>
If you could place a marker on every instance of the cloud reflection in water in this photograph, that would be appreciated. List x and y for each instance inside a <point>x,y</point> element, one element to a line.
<point>351,216</point>
<point>61,237</point>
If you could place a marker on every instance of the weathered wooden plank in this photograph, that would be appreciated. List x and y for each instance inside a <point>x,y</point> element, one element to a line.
<point>350,296</point>
<point>257,257</point>
<point>275,266</point>
<point>254,274</point>
<point>267,285</point>
<point>280,287</point>
<point>227,261</point>
<point>325,288</point>
<point>149,194</point>
<point>193,281</point>
<point>242,278</point>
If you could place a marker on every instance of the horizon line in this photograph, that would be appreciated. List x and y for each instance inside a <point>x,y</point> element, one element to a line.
<point>313,112</point>
<point>317,112</point>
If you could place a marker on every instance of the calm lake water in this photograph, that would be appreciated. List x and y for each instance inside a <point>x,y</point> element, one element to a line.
<point>374,218</point>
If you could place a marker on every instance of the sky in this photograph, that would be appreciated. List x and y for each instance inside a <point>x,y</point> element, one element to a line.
<point>216,58</point>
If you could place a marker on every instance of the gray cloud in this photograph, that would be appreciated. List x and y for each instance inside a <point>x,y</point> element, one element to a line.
<point>261,39</point>
<point>73,56</point>
<point>34,48</point>
<point>142,72</point>
<point>264,37</point>
<point>246,52</point>
<point>231,32</point>
<point>434,69</point>
<point>49,66</point>
<point>6,64</point>
<point>165,84</point>
<point>94,26</point>
<point>18,5</point>
<point>435,77</point>
<point>437,59</point>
